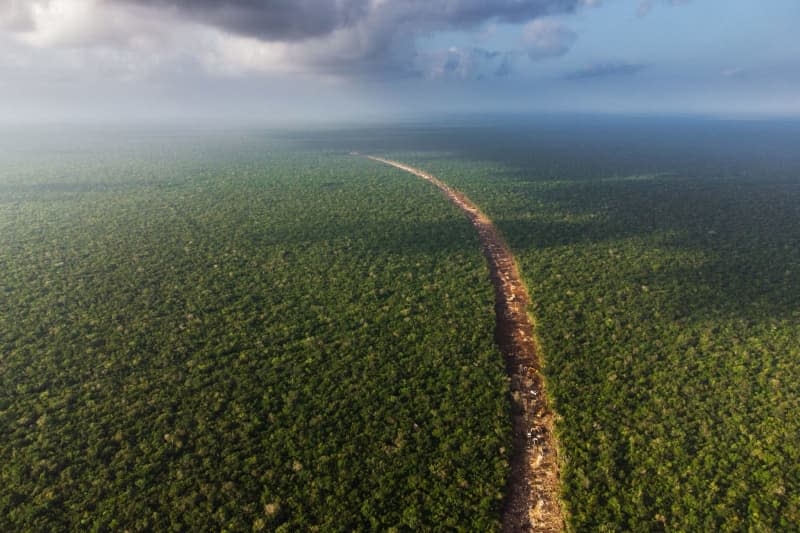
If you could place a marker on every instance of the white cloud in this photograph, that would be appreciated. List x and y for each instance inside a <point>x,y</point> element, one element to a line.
<point>234,55</point>
<point>464,63</point>
<point>16,15</point>
<point>94,23</point>
<point>544,38</point>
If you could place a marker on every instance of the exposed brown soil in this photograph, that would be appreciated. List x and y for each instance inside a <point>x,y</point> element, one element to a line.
<point>532,494</point>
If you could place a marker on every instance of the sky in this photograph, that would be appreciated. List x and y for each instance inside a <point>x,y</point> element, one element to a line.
<point>276,61</point>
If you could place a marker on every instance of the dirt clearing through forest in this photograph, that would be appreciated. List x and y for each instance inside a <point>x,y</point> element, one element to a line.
<point>532,492</point>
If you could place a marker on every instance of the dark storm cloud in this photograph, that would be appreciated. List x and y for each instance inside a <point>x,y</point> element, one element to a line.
<point>605,70</point>
<point>359,38</point>
<point>271,20</point>
<point>294,20</point>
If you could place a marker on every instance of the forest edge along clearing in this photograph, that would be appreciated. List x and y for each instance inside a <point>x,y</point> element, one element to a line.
<point>533,495</point>
<point>532,500</point>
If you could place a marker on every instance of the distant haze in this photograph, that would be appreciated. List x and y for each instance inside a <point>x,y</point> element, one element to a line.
<point>316,61</point>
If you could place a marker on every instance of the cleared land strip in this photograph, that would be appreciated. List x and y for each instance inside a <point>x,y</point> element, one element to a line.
<point>532,502</point>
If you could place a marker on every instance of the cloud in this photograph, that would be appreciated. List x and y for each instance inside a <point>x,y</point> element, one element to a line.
<point>541,38</point>
<point>605,70</point>
<point>465,63</point>
<point>544,38</point>
<point>331,38</point>
<point>91,41</point>
<point>290,20</point>
<point>89,23</point>
<point>16,15</point>
<point>358,37</point>
<point>272,20</point>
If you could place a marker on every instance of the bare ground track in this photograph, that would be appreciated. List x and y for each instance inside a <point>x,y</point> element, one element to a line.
<point>532,492</point>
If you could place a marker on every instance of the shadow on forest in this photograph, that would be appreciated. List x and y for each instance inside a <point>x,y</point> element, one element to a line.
<point>744,234</point>
<point>696,212</point>
<point>584,147</point>
<point>725,191</point>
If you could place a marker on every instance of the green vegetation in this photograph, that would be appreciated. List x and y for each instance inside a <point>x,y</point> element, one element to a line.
<point>200,337</point>
<point>224,332</point>
<point>668,306</point>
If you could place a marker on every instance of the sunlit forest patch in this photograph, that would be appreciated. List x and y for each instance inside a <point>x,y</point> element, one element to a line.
<point>201,336</point>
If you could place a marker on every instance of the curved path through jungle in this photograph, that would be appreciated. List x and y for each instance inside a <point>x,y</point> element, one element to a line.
<point>532,494</point>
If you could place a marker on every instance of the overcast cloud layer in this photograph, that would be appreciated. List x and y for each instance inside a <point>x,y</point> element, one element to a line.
<point>350,54</point>
<point>343,38</point>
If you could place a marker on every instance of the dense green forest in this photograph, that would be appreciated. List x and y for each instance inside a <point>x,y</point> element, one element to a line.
<point>220,334</point>
<point>667,303</point>
<point>256,331</point>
